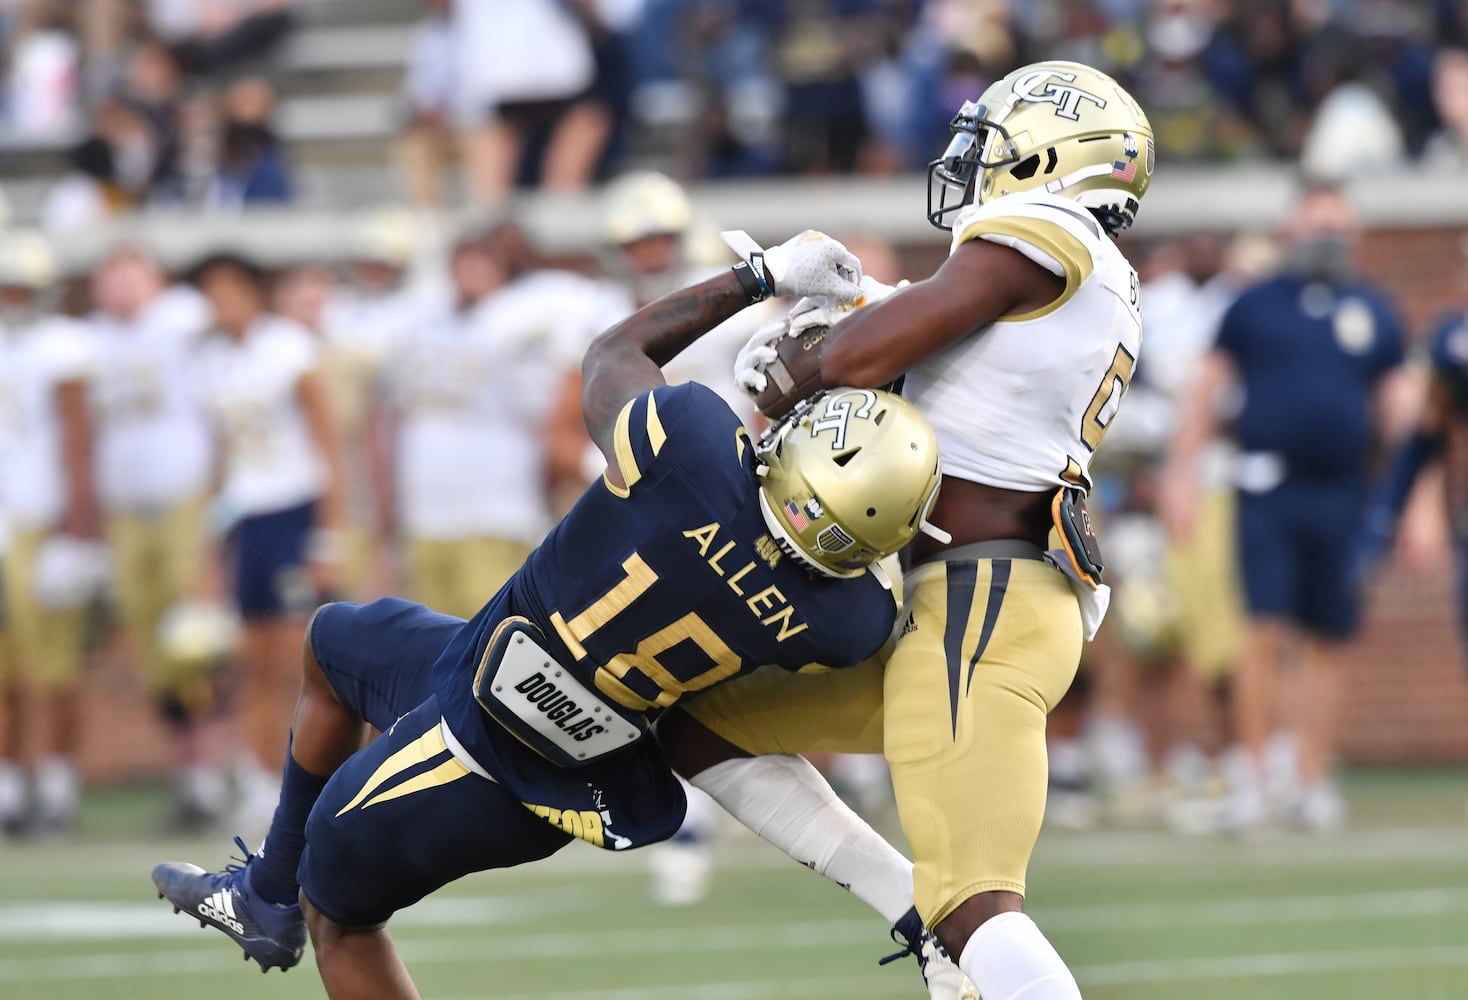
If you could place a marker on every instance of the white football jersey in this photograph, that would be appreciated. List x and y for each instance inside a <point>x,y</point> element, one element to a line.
<point>152,436</point>
<point>249,388</point>
<point>35,359</point>
<point>1022,403</point>
<point>474,390</point>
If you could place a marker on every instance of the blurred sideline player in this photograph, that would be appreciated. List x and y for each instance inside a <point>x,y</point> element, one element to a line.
<point>1018,350</point>
<point>696,558</point>
<point>475,377</point>
<point>382,298</point>
<point>259,380</point>
<point>1178,604</point>
<point>153,466</point>
<point>1318,354</point>
<point>54,562</point>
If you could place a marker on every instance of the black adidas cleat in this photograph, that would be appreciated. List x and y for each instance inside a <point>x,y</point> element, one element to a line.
<point>274,936</point>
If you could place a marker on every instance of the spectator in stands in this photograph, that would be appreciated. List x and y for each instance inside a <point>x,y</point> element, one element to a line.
<point>153,87</point>
<point>208,36</point>
<point>1448,148</point>
<point>524,71</point>
<point>816,57</point>
<point>429,98</point>
<point>1318,353</point>
<point>259,380</point>
<point>1188,115</point>
<point>44,59</point>
<point>111,170</point>
<point>154,463</point>
<point>252,166</point>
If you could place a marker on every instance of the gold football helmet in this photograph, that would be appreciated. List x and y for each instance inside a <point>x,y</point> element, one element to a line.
<point>847,478</point>
<point>643,204</point>
<point>27,260</point>
<point>1056,126</point>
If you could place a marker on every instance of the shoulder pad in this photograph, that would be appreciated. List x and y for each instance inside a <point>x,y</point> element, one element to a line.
<point>1055,233</point>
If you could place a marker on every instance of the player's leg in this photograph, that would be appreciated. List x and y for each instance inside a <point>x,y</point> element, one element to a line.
<point>54,659</point>
<point>361,664</point>
<point>967,694</point>
<point>1329,615</point>
<point>738,742</point>
<point>402,818</point>
<point>357,963</point>
<point>1269,568</point>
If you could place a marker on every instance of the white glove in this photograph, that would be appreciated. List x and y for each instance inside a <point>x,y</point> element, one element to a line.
<point>758,352</point>
<point>808,264</point>
<point>874,291</point>
<point>812,263</point>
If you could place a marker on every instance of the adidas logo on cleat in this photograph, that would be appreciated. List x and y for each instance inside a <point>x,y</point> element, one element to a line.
<point>220,909</point>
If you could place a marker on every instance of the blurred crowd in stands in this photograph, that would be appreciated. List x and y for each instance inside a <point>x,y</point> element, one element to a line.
<point>170,98</point>
<point>156,97</point>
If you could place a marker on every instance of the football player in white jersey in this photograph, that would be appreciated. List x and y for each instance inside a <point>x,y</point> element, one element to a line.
<point>258,377</point>
<point>475,378</point>
<point>153,464</point>
<point>1018,350</point>
<point>51,566</point>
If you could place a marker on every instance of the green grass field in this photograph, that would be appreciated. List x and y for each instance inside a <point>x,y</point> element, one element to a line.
<point>1379,912</point>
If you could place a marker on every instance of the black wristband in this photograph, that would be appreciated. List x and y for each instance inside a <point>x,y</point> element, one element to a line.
<point>755,289</point>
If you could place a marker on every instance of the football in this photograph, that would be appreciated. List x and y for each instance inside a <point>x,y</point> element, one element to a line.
<point>795,373</point>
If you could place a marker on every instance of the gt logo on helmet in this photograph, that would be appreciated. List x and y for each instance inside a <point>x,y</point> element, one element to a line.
<point>839,410</point>
<point>1067,100</point>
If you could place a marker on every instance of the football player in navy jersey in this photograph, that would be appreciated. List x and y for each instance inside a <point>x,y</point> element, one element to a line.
<point>700,556</point>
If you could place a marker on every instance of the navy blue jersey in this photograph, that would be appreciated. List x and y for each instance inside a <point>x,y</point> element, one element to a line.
<point>1308,355</point>
<point>1449,349</point>
<point>666,587</point>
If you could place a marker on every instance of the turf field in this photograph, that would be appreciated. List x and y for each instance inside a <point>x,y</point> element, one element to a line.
<point>1381,911</point>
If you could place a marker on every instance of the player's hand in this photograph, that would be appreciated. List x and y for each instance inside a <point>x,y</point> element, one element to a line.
<point>1178,500</point>
<point>757,352</point>
<point>814,264</point>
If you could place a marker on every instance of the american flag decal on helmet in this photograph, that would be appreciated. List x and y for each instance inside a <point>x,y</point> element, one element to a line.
<point>1124,171</point>
<point>796,516</point>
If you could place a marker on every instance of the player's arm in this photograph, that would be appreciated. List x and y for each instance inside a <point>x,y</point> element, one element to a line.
<point>625,361</point>
<point>980,283</point>
<point>81,519</point>
<point>1197,427</point>
<point>1418,449</point>
<point>329,532</point>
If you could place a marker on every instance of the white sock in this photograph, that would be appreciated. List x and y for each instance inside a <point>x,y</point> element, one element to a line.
<point>787,802</point>
<point>58,789</point>
<point>12,790</point>
<point>1009,959</point>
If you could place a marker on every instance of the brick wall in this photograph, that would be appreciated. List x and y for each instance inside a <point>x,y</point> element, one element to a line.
<point>1407,689</point>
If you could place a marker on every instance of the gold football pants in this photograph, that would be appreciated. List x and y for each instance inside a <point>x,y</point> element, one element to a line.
<point>985,649</point>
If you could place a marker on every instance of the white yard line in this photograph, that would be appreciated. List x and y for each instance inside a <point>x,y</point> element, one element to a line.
<point>1272,965</point>
<point>112,921</point>
<point>590,942</point>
